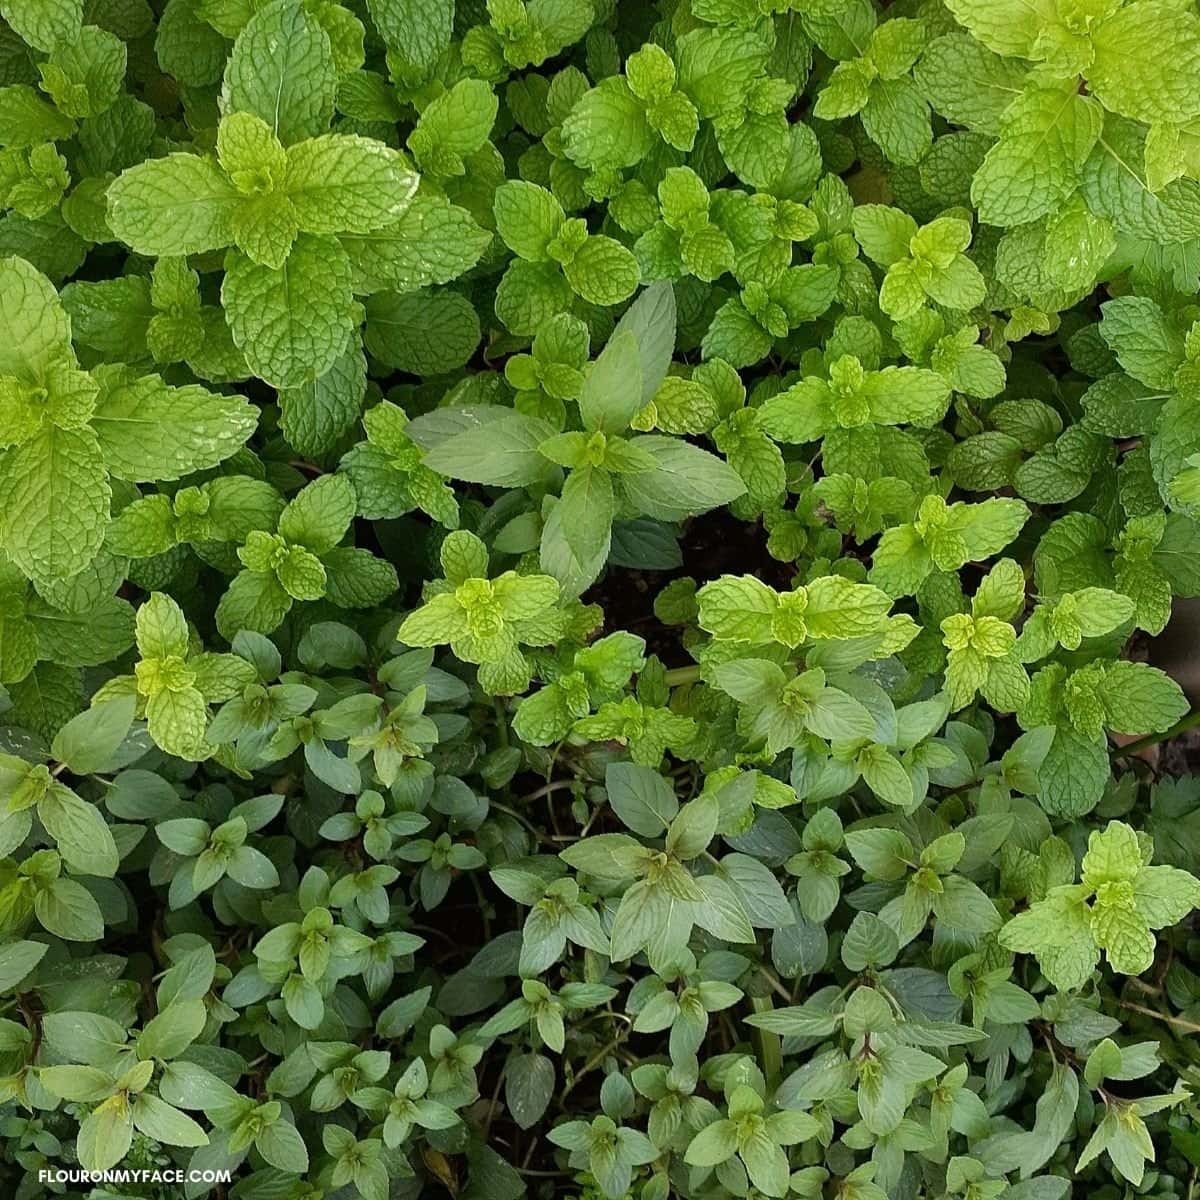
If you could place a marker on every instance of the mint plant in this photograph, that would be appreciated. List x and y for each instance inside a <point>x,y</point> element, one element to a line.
<point>595,599</point>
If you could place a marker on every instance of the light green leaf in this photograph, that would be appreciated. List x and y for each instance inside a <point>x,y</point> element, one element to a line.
<point>83,836</point>
<point>148,430</point>
<point>105,1134</point>
<point>576,538</point>
<point>1129,48</point>
<point>44,24</point>
<point>180,204</point>
<point>54,503</point>
<point>612,390</point>
<point>417,31</point>
<point>433,241</point>
<point>344,183</point>
<point>294,323</point>
<point>686,480</point>
<point>158,1120</point>
<point>1035,165</point>
<point>282,70</point>
<point>34,329</point>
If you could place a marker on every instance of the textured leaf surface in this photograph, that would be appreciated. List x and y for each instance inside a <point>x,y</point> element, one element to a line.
<point>54,497</point>
<point>282,70</point>
<point>292,324</point>
<point>149,430</point>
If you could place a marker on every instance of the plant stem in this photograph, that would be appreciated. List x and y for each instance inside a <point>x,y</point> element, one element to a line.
<point>546,789</point>
<point>501,721</point>
<point>776,986</point>
<point>591,1064</point>
<point>1153,739</point>
<point>769,1045</point>
<point>681,675</point>
<point>533,829</point>
<point>1180,1022</point>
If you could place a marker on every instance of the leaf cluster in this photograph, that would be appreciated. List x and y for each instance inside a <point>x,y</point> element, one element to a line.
<point>581,586</point>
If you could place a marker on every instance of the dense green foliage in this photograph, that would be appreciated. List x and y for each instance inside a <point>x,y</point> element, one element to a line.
<point>575,584</point>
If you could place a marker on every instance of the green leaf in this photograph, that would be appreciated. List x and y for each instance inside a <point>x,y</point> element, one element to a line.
<point>694,827</point>
<point>963,905</point>
<point>1035,165</point>
<point>319,515</point>
<point>1005,26</point>
<point>576,538</point>
<point>149,430</point>
<point>896,118</point>
<point>177,721</point>
<point>105,1134</point>
<point>869,942</point>
<point>738,608</point>
<point>967,83</point>
<point>28,120</point>
<point>1058,931</point>
<point>54,503</point>
<point>489,445</point>
<point>1073,774</point>
<point>714,1144</point>
<point>316,415</point>
<point>292,324</point>
<point>882,853</point>
<point>1165,895</point>
<point>424,333</point>
<point>82,835</point>
<point>282,69</point>
<point>84,77</point>
<point>253,601</point>
<point>454,124</point>
<point>685,480</point>
<point>602,271</point>
<point>344,183</point>
<point>884,233</point>
<point>180,204</point>
<point>766,1163</point>
<point>67,910</point>
<point>432,241</point>
<point>281,1145</point>
<point>1141,699</point>
<point>607,127</point>
<point>612,389</point>
<point>44,24</point>
<point>716,66</point>
<point>642,798</point>
<point>36,331</point>
<point>158,1120</point>
<point>528,1088</point>
<point>85,1037</point>
<point>1128,46</point>
<point>1125,938</point>
<point>528,218</point>
<point>416,31</point>
<point>837,608</point>
<point>17,960</point>
<point>88,1084</point>
<point>168,1034</point>
<point>1145,342</point>
<point>651,318</point>
<point>189,48</point>
<point>162,629</point>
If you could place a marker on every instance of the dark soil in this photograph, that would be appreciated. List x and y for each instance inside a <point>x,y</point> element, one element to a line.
<point>1177,651</point>
<point>716,543</point>
<point>1181,755</point>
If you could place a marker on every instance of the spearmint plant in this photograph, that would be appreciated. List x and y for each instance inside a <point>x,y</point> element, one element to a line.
<point>596,599</point>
